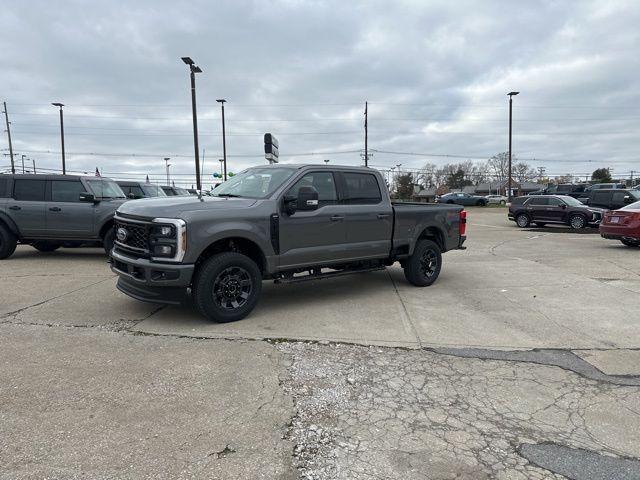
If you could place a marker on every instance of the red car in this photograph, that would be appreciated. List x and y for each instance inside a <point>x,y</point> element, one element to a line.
<point>623,225</point>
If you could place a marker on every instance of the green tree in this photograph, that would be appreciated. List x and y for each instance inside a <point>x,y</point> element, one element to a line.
<point>601,175</point>
<point>404,185</point>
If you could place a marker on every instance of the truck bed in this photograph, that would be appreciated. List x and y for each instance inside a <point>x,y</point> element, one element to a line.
<point>413,218</point>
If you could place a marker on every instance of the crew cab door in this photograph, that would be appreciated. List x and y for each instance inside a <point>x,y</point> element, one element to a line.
<point>537,209</point>
<point>314,236</point>
<point>67,216</point>
<point>369,215</point>
<point>27,206</point>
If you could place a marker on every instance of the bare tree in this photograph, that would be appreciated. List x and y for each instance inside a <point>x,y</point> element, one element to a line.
<point>523,172</point>
<point>498,166</point>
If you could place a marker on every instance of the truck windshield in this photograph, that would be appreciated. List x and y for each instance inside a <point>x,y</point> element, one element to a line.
<point>151,190</point>
<point>105,189</point>
<point>254,183</point>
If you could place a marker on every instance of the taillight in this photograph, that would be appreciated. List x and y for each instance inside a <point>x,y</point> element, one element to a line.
<point>463,222</point>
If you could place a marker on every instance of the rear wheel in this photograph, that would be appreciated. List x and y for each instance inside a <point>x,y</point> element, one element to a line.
<point>522,220</point>
<point>8,242</point>
<point>45,246</point>
<point>227,287</point>
<point>423,267</point>
<point>503,202</point>
<point>631,243</point>
<point>108,239</point>
<point>577,222</point>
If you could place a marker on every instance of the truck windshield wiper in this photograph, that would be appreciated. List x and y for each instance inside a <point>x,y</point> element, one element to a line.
<point>227,195</point>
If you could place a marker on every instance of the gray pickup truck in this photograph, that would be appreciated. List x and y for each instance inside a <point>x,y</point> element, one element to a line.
<point>49,211</point>
<point>288,223</point>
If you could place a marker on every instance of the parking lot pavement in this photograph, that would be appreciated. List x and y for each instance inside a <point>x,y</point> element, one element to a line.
<point>399,382</point>
<point>85,403</point>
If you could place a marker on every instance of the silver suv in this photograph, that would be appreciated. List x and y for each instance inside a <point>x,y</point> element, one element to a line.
<point>49,211</point>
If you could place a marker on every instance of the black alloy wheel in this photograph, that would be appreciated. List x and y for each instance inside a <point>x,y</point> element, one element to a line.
<point>232,288</point>
<point>423,267</point>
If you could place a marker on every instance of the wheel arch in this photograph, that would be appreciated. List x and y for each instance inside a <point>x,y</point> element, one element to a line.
<point>237,244</point>
<point>106,226</point>
<point>9,223</point>
<point>433,233</point>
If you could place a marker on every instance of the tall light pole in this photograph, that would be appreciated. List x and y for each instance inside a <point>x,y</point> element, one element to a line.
<point>167,165</point>
<point>326,160</point>
<point>6,118</point>
<point>194,69</point>
<point>23,155</point>
<point>221,101</point>
<point>64,165</point>
<point>511,95</point>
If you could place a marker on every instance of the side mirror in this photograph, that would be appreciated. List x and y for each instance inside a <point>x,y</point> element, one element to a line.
<point>131,195</point>
<point>628,199</point>
<point>307,199</point>
<point>563,206</point>
<point>87,197</point>
<point>290,204</point>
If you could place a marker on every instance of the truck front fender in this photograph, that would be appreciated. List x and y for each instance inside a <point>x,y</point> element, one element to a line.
<point>11,225</point>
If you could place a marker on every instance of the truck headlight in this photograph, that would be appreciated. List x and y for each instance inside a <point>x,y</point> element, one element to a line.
<point>168,239</point>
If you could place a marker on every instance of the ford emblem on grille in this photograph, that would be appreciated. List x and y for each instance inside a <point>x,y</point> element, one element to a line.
<point>122,234</point>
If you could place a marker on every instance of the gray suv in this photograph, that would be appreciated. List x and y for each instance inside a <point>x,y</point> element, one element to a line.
<point>49,211</point>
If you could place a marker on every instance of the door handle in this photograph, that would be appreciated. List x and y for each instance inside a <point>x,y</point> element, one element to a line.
<point>55,209</point>
<point>14,207</point>
<point>337,218</point>
<point>383,215</point>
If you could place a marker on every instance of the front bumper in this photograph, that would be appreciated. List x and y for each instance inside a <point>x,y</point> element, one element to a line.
<point>151,281</point>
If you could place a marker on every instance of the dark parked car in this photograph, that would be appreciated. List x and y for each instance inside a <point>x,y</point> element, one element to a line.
<point>140,189</point>
<point>543,209</point>
<point>49,211</point>
<point>623,225</point>
<point>611,199</point>
<point>174,191</point>
<point>288,223</point>
<point>570,189</point>
<point>460,198</point>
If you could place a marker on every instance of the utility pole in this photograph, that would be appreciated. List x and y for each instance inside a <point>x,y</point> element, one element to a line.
<point>632,172</point>
<point>221,101</point>
<point>541,172</point>
<point>509,180</point>
<point>23,163</point>
<point>6,118</point>
<point>366,134</point>
<point>34,165</point>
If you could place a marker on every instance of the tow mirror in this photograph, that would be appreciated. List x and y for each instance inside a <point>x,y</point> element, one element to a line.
<point>87,197</point>
<point>307,199</point>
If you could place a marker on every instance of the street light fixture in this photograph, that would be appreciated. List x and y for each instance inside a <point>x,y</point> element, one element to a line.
<point>60,105</point>
<point>193,68</point>
<point>509,179</point>
<point>221,101</point>
<point>167,165</point>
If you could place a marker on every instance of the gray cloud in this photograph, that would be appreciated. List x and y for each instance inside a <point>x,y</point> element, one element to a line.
<point>436,74</point>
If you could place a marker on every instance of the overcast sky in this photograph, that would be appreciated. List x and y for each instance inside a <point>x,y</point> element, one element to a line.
<point>436,74</point>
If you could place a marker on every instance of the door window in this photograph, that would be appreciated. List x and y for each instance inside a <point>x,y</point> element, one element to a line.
<point>555,202</point>
<point>600,198</point>
<point>539,201</point>
<point>618,198</point>
<point>324,184</point>
<point>29,190</point>
<point>65,191</point>
<point>361,188</point>
<point>3,187</point>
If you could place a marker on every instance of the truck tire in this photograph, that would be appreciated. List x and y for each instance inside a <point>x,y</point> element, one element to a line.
<point>45,246</point>
<point>227,287</point>
<point>108,239</point>
<point>8,242</point>
<point>423,266</point>
<point>577,222</point>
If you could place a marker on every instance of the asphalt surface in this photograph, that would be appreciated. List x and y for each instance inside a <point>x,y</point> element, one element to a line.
<point>530,338</point>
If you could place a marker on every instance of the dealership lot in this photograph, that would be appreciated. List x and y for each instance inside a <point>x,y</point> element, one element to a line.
<point>95,381</point>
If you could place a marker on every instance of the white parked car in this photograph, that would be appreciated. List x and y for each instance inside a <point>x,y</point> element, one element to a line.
<point>497,199</point>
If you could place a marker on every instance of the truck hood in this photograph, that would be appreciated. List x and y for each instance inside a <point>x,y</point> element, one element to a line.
<point>174,207</point>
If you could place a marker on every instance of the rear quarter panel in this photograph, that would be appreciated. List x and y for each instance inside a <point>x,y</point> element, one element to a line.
<point>413,219</point>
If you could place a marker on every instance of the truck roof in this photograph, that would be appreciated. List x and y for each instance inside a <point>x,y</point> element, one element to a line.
<point>50,176</point>
<point>315,165</point>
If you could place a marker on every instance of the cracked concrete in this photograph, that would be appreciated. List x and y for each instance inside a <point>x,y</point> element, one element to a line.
<point>374,412</point>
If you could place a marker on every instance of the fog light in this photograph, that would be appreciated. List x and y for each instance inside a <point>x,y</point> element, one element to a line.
<point>165,231</point>
<point>163,250</point>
